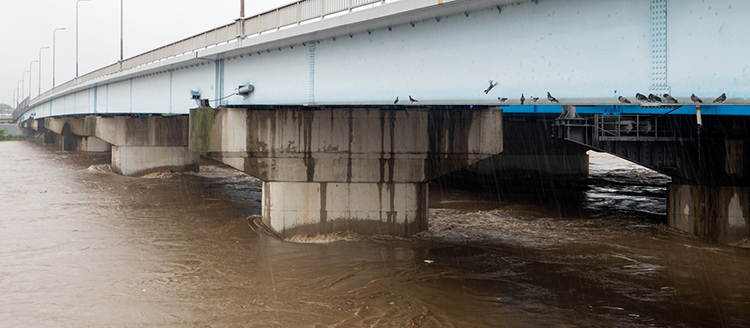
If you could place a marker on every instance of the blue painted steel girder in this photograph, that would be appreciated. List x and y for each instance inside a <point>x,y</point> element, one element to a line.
<point>631,109</point>
<point>588,50</point>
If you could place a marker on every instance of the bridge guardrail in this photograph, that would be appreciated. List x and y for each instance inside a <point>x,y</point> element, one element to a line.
<point>20,109</point>
<point>290,14</point>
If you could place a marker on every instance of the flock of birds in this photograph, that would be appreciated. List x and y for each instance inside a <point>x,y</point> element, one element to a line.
<point>669,99</point>
<point>651,98</point>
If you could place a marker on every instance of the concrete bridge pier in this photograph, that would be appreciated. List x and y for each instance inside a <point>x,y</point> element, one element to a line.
<point>530,152</point>
<point>710,198</point>
<point>142,145</point>
<point>139,145</point>
<point>335,168</point>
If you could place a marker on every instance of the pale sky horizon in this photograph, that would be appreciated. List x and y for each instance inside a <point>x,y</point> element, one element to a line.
<point>28,26</point>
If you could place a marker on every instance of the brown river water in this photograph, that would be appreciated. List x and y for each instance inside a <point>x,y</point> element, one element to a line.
<point>82,247</point>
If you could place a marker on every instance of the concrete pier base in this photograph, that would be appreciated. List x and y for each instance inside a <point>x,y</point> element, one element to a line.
<point>717,213</point>
<point>312,208</point>
<point>142,160</point>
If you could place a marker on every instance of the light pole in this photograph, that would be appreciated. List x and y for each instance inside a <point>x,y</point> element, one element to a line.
<point>77,36</point>
<point>31,63</point>
<point>53,54</point>
<point>40,71</point>
<point>23,82</point>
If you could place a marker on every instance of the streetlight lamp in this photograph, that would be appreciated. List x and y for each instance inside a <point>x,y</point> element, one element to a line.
<point>77,36</point>
<point>53,54</point>
<point>40,70</point>
<point>31,63</point>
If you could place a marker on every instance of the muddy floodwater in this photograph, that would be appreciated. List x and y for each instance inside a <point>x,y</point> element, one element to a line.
<point>82,247</point>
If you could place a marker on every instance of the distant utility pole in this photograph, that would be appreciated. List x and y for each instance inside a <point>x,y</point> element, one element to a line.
<point>242,8</point>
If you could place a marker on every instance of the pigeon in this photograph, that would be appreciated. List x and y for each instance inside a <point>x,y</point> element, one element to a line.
<point>522,99</point>
<point>695,98</point>
<point>534,99</point>
<point>653,98</point>
<point>492,85</point>
<point>502,100</point>
<point>396,101</point>
<point>670,99</point>
<point>721,98</point>
<point>623,100</point>
<point>412,99</point>
<point>551,99</point>
<point>641,97</point>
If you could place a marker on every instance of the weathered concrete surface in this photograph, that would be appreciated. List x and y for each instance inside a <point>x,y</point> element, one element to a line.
<point>142,160</point>
<point>138,131</point>
<point>93,144</point>
<point>139,145</point>
<point>718,213</point>
<point>310,208</point>
<point>363,168</point>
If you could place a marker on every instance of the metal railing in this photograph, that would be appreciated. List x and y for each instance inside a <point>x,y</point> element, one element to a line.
<point>20,109</point>
<point>275,19</point>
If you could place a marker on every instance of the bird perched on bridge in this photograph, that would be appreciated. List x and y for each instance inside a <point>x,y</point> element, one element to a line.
<point>624,100</point>
<point>412,99</point>
<point>395,101</point>
<point>653,98</point>
<point>641,97</point>
<point>721,98</point>
<point>534,99</point>
<point>695,98</point>
<point>492,85</point>
<point>670,99</point>
<point>502,100</point>
<point>551,99</point>
<point>522,99</point>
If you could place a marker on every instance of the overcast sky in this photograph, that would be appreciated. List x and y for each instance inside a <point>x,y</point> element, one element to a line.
<point>27,25</point>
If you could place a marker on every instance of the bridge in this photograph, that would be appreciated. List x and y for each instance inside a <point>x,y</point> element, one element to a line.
<point>347,108</point>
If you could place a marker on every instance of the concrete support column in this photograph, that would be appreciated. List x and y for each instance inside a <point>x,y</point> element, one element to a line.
<point>718,213</point>
<point>310,208</point>
<point>142,160</point>
<point>143,145</point>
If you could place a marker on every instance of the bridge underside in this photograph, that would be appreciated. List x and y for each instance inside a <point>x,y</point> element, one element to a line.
<point>708,163</point>
<point>366,168</point>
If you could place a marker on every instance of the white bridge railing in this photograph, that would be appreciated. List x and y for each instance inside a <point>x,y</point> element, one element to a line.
<point>291,14</point>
